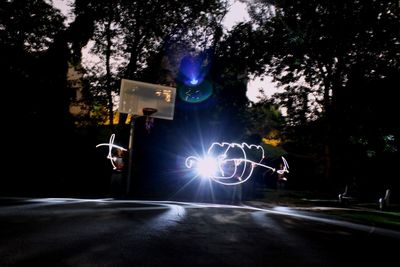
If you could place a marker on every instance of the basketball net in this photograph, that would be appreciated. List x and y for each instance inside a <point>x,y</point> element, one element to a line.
<point>147,112</point>
<point>149,123</point>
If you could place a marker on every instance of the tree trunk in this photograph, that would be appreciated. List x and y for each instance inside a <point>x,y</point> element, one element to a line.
<point>108,72</point>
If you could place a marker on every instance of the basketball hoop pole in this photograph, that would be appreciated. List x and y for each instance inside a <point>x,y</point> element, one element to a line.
<point>146,112</point>
<point>130,165</point>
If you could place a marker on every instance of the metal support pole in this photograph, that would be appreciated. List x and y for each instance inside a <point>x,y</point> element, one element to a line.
<point>130,163</point>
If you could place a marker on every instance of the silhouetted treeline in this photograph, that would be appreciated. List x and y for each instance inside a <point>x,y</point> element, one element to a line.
<point>336,63</point>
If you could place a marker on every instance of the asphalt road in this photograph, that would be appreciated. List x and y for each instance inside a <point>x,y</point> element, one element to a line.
<point>106,232</point>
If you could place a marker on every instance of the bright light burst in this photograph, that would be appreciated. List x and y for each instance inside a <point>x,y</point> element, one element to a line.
<point>111,145</point>
<point>228,163</point>
<point>207,166</point>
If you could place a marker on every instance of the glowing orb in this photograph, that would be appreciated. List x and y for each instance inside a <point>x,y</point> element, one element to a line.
<point>229,164</point>
<point>193,86</point>
<point>194,81</point>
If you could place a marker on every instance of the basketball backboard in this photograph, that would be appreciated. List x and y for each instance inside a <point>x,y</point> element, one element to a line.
<point>136,96</point>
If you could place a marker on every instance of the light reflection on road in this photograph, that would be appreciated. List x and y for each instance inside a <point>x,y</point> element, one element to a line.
<point>169,218</point>
<point>175,211</point>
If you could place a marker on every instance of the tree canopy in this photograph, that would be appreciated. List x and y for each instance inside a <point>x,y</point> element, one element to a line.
<point>338,63</point>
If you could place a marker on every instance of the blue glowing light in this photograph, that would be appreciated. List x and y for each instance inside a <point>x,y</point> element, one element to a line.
<point>194,87</point>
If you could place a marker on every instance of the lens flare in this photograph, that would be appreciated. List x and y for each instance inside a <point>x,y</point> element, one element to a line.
<point>195,93</point>
<point>193,86</point>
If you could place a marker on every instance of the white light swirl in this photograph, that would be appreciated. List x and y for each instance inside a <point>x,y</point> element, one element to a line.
<point>223,165</point>
<point>111,145</point>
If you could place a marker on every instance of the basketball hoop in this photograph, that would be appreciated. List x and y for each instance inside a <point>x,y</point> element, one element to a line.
<point>149,120</point>
<point>144,99</point>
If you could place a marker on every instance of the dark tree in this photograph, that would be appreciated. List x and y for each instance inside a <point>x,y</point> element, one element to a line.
<point>34,51</point>
<point>331,57</point>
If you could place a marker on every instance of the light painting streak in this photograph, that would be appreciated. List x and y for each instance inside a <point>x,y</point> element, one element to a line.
<point>226,170</point>
<point>111,145</point>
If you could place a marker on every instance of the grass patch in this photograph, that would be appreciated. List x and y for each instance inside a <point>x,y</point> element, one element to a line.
<point>365,213</point>
<point>387,219</point>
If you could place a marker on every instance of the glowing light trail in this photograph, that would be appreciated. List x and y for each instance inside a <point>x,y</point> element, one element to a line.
<point>228,163</point>
<point>111,145</point>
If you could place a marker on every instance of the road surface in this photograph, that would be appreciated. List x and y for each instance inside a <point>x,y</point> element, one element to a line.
<point>106,232</point>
